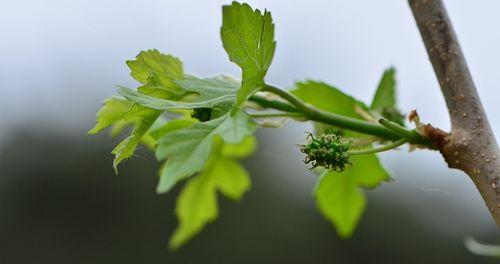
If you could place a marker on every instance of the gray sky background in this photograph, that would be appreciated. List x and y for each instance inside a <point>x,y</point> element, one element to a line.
<point>60,59</point>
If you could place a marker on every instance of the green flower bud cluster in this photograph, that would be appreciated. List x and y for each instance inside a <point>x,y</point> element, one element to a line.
<point>327,150</point>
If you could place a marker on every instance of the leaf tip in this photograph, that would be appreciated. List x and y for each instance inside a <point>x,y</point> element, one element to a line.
<point>176,242</point>
<point>93,131</point>
<point>164,186</point>
<point>391,69</point>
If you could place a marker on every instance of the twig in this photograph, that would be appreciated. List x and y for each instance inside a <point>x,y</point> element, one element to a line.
<point>471,145</point>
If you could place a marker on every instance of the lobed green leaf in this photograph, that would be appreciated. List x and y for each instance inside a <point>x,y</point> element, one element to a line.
<point>211,92</point>
<point>157,72</point>
<point>171,126</point>
<point>112,111</point>
<point>340,201</point>
<point>248,38</point>
<point>384,100</point>
<point>188,149</point>
<point>338,194</point>
<point>330,99</point>
<point>197,202</point>
<point>385,95</point>
<point>126,148</point>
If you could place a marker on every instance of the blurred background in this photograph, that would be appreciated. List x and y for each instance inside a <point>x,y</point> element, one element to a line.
<point>60,201</point>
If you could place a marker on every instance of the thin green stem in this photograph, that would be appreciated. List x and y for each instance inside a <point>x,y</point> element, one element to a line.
<point>295,105</point>
<point>402,131</point>
<point>286,114</point>
<point>275,104</point>
<point>292,99</point>
<point>333,119</point>
<point>393,145</point>
<point>412,135</point>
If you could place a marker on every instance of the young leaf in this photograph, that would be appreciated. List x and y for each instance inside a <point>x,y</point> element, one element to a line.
<point>158,73</point>
<point>188,149</point>
<point>232,179</point>
<point>340,201</point>
<point>112,111</point>
<point>248,38</point>
<point>196,206</point>
<point>211,91</point>
<point>197,203</point>
<point>384,100</point>
<point>162,70</point>
<point>330,99</point>
<point>126,148</point>
<point>338,194</point>
<point>238,151</point>
<point>367,171</point>
<point>171,126</point>
<point>385,95</point>
<point>119,113</point>
<point>210,87</point>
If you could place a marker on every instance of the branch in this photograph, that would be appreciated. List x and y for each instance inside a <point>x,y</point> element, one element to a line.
<point>471,145</point>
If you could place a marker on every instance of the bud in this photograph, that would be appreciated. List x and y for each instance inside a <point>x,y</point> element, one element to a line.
<point>327,150</point>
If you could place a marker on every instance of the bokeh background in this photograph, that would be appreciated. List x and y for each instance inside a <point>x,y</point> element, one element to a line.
<point>60,201</point>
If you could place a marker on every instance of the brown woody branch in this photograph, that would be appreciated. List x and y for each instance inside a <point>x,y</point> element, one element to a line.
<point>470,146</point>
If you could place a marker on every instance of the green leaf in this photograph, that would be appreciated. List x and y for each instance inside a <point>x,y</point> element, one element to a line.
<point>330,99</point>
<point>112,111</point>
<point>209,88</point>
<point>248,38</point>
<point>197,203</point>
<point>158,73</point>
<point>385,95</point>
<point>171,126</point>
<point>232,179</point>
<point>240,150</point>
<point>119,113</point>
<point>367,171</point>
<point>384,100</point>
<point>340,201</point>
<point>196,206</point>
<point>188,149</point>
<point>126,148</point>
<point>210,92</point>
<point>338,194</point>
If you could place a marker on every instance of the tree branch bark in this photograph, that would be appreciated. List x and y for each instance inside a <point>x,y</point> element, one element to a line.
<point>470,146</point>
